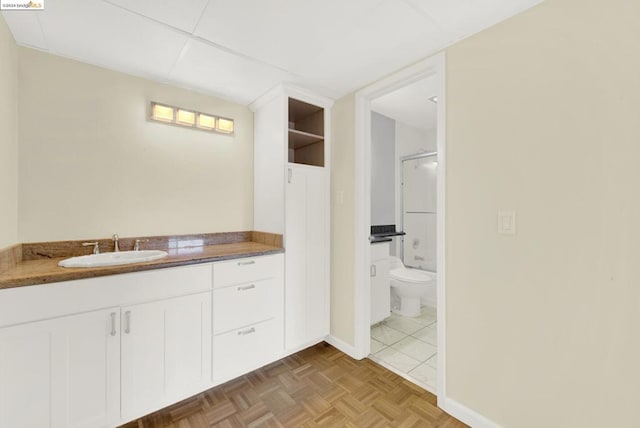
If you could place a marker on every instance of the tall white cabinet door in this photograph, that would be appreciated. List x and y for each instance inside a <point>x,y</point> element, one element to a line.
<point>295,259</point>
<point>62,372</point>
<point>317,252</point>
<point>306,284</point>
<point>166,352</point>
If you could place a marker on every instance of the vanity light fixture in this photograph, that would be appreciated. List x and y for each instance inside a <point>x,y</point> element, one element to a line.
<point>191,119</point>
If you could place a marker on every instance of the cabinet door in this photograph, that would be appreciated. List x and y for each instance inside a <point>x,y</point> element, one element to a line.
<point>62,372</point>
<point>188,346</point>
<point>306,243</point>
<point>380,291</point>
<point>166,352</point>
<point>296,259</point>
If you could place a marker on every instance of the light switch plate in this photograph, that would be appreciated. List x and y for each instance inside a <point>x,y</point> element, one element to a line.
<point>506,222</point>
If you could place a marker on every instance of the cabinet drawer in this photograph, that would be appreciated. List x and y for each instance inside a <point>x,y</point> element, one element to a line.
<point>242,350</point>
<point>239,305</point>
<point>240,271</point>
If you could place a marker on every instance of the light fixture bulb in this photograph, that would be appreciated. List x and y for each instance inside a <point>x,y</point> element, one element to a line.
<point>162,113</point>
<point>225,125</point>
<point>186,117</point>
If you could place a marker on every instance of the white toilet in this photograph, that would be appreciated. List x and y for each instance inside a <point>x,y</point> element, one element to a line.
<point>410,285</point>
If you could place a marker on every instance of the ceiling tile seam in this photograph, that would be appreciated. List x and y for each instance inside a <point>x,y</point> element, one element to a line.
<point>204,10</point>
<point>149,19</point>
<point>240,54</point>
<point>179,58</point>
<point>202,40</point>
<point>44,36</point>
<point>425,14</point>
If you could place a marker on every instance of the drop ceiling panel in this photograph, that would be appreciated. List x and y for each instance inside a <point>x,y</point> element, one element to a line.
<point>384,39</point>
<point>283,33</point>
<point>461,18</point>
<point>95,32</point>
<point>240,48</point>
<point>215,71</point>
<point>26,28</point>
<point>182,14</point>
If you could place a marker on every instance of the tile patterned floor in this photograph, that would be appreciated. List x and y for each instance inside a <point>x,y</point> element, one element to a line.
<point>408,346</point>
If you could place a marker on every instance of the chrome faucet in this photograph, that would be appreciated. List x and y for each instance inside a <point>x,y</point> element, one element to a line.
<point>96,246</point>
<point>136,247</point>
<point>116,247</point>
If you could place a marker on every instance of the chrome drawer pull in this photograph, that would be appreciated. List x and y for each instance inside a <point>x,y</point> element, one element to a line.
<point>250,262</point>
<point>246,287</point>
<point>127,319</point>
<point>113,323</point>
<point>248,331</point>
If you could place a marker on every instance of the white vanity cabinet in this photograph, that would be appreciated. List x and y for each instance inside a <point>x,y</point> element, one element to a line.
<point>100,352</point>
<point>166,352</point>
<point>62,372</point>
<point>65,347</point>
<point>248,321</point>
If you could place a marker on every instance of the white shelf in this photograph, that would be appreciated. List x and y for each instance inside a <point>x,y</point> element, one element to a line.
<point>299,139</point>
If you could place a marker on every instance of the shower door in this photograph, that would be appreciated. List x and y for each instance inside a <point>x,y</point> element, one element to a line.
<point>419,174</point>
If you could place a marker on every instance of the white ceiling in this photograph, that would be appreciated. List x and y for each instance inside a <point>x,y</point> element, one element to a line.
<point>410,104</point>
<point>239,49</point>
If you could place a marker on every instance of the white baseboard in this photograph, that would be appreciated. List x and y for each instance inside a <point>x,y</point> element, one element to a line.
<point>291,351</point>
<point>350,350</point>
<point>465,414</point>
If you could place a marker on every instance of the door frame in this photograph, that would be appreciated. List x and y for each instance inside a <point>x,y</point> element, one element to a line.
<point>430,67</point>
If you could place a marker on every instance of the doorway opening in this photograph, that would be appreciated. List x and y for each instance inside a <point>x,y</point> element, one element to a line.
<point>407,342</point>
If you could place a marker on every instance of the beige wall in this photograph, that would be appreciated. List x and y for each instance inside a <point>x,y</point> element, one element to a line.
<point>91,164</point>
<point>8,137</point>
<point>543,117</point>
<point>342,220</point>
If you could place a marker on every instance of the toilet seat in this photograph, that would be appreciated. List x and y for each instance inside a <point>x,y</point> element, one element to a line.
<point>414,276</point>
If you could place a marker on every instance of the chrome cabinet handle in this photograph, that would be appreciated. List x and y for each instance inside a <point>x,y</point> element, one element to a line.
<point>247,331</point>
<point>373,271</point>
<point>246,287</point>
<point>113,323</point>
<point>127,322</point>
<point>250,262</point>
<point>289,176</point>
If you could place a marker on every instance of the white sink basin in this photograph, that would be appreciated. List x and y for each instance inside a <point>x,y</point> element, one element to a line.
<point>113,259</point>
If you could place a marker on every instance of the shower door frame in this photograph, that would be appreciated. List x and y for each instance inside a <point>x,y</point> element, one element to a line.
<point>403,159</point>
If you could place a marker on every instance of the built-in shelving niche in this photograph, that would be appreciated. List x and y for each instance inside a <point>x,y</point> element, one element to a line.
<point>306,133</point>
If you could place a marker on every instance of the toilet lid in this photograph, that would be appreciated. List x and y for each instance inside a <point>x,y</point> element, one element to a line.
<point>411,275</point>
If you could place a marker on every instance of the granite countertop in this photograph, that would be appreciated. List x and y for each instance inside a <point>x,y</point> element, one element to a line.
<point>45,269</point>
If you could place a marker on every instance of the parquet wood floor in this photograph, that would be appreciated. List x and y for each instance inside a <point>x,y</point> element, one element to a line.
<point>317,387</point>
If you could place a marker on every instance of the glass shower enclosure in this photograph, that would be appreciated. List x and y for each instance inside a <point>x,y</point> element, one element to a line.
<point>419,208</point>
